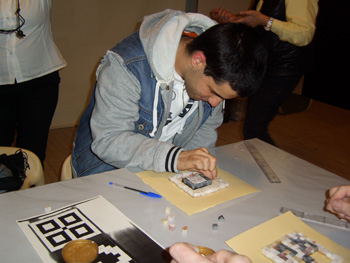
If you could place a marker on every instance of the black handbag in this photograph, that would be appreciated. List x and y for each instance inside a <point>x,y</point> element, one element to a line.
<point>13,170</point>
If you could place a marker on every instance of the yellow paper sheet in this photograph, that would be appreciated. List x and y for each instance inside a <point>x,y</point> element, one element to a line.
<point>191,205</point>
<point>251,242</point>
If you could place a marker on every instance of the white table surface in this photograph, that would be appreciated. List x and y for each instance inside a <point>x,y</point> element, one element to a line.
<point>303,186</point>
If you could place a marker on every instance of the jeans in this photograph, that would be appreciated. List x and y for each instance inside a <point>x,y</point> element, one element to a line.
<point>263,105</point>
<point>28,108</point>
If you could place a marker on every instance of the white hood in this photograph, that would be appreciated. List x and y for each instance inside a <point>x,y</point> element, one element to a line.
<point>160,35</point>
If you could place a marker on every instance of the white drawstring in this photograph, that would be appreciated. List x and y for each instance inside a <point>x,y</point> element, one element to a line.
<point>155,103</point>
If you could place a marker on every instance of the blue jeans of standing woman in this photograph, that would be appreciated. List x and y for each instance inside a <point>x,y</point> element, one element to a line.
<point>263,106</point>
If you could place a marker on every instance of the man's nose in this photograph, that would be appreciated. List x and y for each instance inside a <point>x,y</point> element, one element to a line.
<point>215,101</point>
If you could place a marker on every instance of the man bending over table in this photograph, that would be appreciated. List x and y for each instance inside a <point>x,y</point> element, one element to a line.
<point>159,95</point>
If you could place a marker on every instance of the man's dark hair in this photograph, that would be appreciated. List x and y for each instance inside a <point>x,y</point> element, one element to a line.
<point>235,54</point>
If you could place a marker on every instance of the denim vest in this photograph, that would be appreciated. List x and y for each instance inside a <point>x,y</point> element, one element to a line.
<point>134,57</point>
<point>84,161</point>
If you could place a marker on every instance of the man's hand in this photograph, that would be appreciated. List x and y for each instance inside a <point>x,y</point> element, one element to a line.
<point>339,201</point>
<point>199,160</point>
<point>221,15</point>
<point>187,253</point>
<point>253,18</point>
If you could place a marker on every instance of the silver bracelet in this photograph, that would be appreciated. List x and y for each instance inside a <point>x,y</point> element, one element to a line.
<point>269,24</point>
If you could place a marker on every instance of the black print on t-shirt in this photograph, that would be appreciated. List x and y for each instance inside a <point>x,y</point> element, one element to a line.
<point>183,113</point>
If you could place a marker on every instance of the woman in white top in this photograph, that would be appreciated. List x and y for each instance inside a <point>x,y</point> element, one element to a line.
<point>29,78</point>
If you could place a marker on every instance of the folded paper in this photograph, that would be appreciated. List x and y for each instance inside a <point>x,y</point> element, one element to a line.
<point>253,241</point>
<point>190,205</point>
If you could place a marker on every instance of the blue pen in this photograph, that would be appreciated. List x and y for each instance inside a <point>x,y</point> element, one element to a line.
<point>150,194</point>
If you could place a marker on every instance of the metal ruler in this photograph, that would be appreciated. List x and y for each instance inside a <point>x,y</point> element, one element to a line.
<point>264,166</point>
<point>317,218</point>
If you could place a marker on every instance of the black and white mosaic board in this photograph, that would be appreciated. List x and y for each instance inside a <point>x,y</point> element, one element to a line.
<point>96,219</point>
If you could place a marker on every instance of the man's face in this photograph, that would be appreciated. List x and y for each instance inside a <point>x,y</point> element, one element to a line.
<point>202,87</point>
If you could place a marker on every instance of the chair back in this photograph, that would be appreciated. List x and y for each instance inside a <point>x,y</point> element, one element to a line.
<point>66,173</point>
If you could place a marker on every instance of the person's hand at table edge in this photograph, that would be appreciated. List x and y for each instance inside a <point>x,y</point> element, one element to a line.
<point>338,202</point>
<point>188,253</point>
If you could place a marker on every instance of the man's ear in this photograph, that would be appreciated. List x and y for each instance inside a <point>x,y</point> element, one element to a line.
<point>198,60</point>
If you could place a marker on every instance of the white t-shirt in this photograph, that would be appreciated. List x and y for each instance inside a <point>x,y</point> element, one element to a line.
<point>181,108</point>
<point>35,55</point>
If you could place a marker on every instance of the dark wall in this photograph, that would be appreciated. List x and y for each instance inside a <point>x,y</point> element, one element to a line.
<point>329,79</point>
